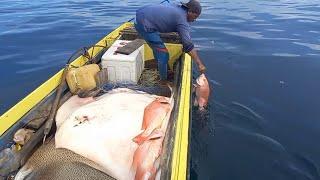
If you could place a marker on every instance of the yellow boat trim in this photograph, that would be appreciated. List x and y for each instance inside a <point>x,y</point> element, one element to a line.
<point>180,150</point>
<point>14,114</point>
<point>175,51</point>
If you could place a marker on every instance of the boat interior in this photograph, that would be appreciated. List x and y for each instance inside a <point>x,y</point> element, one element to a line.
<point>44,161</point>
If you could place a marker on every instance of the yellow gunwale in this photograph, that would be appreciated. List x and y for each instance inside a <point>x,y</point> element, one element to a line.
<point>180,150</point>
<point>14,114</point>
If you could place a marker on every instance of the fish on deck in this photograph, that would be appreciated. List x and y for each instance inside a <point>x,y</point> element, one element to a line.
<point>146,159</point>
<point>153,117</point>
<point>72,104</point>
<point>112,121</point>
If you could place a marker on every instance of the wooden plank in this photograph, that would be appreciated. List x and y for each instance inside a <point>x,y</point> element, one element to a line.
<point>130,33</point>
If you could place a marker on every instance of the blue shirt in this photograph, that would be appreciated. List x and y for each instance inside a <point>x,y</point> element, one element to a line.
<point>166,18</point>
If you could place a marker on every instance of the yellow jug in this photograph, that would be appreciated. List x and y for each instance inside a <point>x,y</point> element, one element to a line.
<point>82,78</point>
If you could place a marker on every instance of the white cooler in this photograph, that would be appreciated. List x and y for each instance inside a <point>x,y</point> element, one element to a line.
<point>123,68</point>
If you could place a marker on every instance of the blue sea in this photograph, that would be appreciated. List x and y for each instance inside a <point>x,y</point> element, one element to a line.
<point>263,61</point>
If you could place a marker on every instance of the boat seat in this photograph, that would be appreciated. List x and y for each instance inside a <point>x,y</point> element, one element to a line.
<point>130,33</point>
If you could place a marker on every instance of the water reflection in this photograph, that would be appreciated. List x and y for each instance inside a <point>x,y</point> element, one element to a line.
<point>235,141</point>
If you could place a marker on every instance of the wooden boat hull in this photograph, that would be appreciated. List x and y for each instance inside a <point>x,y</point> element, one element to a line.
<point>33,110</point>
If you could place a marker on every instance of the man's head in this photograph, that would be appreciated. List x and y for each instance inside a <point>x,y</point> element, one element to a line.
<point>194,9</point>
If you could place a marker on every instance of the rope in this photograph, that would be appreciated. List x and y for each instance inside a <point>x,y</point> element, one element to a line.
<point>84,52</point>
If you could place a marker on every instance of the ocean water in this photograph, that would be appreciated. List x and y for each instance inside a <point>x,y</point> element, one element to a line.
<point>263,66</point>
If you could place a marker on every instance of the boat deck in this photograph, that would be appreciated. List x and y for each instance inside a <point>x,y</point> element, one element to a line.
<point>47,162</point>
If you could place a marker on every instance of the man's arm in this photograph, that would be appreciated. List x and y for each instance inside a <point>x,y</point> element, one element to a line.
<point>188,47</point>
<point>194,55</point>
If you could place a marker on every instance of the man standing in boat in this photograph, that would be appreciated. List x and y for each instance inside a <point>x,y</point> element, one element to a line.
<point>154,19</point>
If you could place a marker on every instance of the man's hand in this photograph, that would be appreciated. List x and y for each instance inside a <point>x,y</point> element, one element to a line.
<point>202,68</point>
<point>194,55</point>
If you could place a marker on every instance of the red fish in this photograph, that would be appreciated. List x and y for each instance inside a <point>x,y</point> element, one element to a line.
<point>153,117</point>
<point>156,107</point>
<point>146,159</point>
<point>202,92</point>
<point>146,155</point>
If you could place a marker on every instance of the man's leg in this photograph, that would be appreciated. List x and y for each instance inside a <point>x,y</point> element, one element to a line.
<point>160,52</point>
<point>162,56</point>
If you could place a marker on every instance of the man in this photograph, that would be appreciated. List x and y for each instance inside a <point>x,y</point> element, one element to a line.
<point>154,19</point>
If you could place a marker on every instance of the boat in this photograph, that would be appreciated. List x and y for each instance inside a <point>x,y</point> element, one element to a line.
<point>33,110</point>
